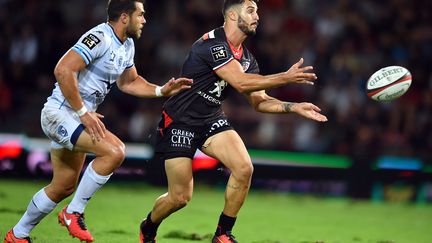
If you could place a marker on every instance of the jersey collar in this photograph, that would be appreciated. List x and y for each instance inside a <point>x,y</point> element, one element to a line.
<point>114,34</point>
<point>237,53</point>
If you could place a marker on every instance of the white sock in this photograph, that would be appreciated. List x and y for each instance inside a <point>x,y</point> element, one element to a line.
<point>38,208</point>
<point>89,184</point>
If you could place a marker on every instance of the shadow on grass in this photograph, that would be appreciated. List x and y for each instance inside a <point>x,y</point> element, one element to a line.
<point>117,232</point>
<point>197,237</point>
<point>9,210</point>
<point>187,236</point>
<point>268,241</point>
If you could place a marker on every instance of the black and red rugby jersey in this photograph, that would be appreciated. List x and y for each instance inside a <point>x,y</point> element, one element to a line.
<point>202,102</point>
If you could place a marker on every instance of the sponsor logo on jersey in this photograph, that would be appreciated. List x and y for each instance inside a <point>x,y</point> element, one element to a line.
<point>98,97</point>
<point>245,65</point>
<point>112,56</point>
<point>209,98</point>
<point>218,124</point>
<point>220,86</point>
<point>61,130</point>
<point>181,138</point>
<point>219,52</point>
<point>120,62</point>
<point>90,41</point>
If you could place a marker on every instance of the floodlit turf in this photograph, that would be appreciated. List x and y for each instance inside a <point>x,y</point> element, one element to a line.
<point>114,214</point>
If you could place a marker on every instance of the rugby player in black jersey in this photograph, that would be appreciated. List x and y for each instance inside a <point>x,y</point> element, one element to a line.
<point>193,119</point>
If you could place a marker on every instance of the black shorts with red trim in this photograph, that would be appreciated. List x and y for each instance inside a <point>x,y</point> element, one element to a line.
<point>175,139</point>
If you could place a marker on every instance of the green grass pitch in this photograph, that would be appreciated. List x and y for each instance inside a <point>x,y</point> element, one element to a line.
<point>115,212</point>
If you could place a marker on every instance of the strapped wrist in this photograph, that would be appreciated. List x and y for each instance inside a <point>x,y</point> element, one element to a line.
<point>82,111</point>
<point>158,91</point>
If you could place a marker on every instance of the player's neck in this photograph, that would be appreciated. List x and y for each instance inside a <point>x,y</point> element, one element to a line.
<point>234,35</point>
<point>119,31</point>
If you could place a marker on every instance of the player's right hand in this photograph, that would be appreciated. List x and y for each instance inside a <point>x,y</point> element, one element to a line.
<point>309,111</point>
<point>93,125</point>
<point>298,74</point>
<point>173,86</point>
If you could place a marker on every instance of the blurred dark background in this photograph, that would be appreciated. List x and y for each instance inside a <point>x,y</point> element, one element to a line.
<point>345,40</point>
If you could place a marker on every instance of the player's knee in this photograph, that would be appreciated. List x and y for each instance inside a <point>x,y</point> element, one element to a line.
<point>117,153</point>
<point>244,171</point>
<point>61,192</point>
<point>180,200</point>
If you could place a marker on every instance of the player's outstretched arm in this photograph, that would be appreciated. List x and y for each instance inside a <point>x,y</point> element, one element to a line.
<point>132,83</point>
<point>267,104</point>
<point>233,73</point>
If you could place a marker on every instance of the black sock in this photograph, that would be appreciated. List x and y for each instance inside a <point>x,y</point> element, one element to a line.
<point>148,226</point>
<point>226,223</point>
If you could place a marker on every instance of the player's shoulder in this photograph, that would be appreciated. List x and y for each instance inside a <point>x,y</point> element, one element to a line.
<point>211,42</point>
<point>99,30</point>
<point>213,37</point>
<point>99,34</point>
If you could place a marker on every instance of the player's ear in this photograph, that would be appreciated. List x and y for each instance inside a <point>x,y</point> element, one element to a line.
<point>232,14</point>
<point>124,18</point>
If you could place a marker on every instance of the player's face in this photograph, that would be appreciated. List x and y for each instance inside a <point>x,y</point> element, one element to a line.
<point>248,18</point>
<point>136,22</point>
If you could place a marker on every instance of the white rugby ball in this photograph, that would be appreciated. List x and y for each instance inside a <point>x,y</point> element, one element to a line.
<point>388,83</point>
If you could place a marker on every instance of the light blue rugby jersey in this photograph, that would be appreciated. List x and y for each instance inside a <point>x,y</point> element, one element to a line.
<point>106,58</point>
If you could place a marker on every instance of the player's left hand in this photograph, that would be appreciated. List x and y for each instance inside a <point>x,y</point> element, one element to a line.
<point>174,86</point>
<point>309,111</point>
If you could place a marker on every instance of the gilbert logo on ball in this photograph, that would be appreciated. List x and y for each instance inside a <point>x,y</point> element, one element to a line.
<point>388,83</point>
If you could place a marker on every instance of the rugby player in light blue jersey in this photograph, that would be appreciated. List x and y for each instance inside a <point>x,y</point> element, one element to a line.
<point>85,74</point>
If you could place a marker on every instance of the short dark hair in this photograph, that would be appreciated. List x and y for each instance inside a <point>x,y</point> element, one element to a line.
<point>116,7</point>
<point>229,3</point>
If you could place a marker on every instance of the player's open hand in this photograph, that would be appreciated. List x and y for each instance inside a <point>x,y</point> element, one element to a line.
<point>174,86</point>
<point>93,125</point>
<point>309,111</point>
<point>299,74</point>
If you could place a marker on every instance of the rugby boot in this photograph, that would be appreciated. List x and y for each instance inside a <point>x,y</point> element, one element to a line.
<point>74,222</point>
<point>227,237</point>
<point>11,238</point>
<point>146,237</point>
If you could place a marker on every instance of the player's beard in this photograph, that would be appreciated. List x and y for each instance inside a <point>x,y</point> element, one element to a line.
<point>243,26</point>
<point>133,33</point>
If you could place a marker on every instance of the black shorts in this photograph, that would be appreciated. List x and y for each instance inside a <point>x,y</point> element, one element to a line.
<point>176,139</point>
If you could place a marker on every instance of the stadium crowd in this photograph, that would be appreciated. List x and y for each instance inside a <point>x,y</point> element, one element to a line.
<point>345,41</point>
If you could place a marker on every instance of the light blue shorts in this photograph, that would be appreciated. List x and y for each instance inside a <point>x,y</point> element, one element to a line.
<point>62,126</point>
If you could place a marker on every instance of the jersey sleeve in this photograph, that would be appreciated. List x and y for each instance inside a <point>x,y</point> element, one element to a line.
<point>91,45</point>
<point>214,53</point>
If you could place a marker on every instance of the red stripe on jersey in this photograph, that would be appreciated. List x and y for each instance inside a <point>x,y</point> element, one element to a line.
<point>205,36</point>
<point>167,119</point>
<point>238,53</point>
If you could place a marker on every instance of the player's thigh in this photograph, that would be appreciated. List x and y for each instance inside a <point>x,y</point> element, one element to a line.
<point>228,147</point>
<point>67,166</point>
<point>179,176</point>
<point>64,128</point>
<point>110,144</point>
